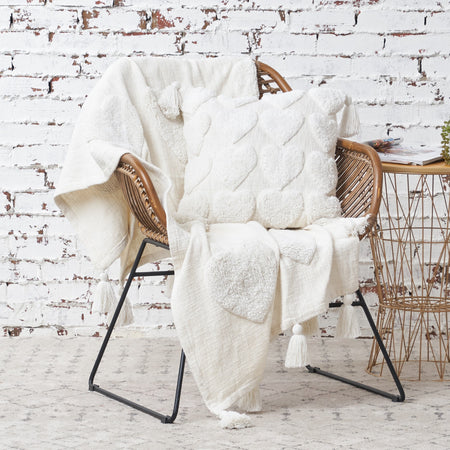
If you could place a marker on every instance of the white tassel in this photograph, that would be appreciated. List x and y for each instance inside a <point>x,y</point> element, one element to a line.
<point>350,120</point>
<point>104,298</point>
<point>169,101</point>
<point>105,302</point>
<point>234,420</point>
<point>126,315</point>
<point>297,352</point>
<point>348,326</point>
<point>251,402</point>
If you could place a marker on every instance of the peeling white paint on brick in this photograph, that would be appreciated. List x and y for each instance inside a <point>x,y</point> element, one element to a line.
<point>220,42</point>
<point>67,88</point>
<point>41,18</point>
<point>37,155</point>
<point>390,56</point>
<point>350,44</point>
<point>392,21</point>
<point>12,42</point>
<point>30,134</point>
<point>282,43</point>
<point>322,20</point>
<point>182,19</point>
<point>25,86</point>
<point>419,44</point>
<point>117,19</point>
<point>44,64</point>
<point>39,111</point>
<point>5,63</point>
<point>247,20</point>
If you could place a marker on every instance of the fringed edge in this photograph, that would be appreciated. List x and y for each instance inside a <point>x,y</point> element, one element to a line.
<point>348,324</point>
<point>297,352</point>
<point>105,302</point>
<point>104,298</point>
<point>251,402</point>
<point>126,316</point>
<point>233,420</point>
<point>350,121</point>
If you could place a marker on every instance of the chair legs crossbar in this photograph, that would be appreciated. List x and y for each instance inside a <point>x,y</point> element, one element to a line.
<point>94,387</point>
<point>394,397</point>
<point>170,419</point>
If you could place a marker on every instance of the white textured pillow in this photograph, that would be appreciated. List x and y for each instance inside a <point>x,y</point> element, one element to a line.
<point>268,160</point>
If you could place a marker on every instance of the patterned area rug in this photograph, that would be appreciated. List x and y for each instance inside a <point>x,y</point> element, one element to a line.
<point>45,403</point>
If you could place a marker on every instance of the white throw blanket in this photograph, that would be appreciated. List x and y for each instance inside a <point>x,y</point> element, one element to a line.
<point>225,351</point>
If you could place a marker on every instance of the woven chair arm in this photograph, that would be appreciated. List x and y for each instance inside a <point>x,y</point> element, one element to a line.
<point>269,80</point>
<point>142,198</point>
<point>359,181</point>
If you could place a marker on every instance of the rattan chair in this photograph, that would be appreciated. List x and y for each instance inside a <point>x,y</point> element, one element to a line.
<point>358,189</point>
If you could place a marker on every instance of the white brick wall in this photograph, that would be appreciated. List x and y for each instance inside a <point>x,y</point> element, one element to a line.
<point>392,57</point>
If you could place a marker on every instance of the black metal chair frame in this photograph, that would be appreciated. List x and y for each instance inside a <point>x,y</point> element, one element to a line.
<point>95,387</point>
<point>400,397</point>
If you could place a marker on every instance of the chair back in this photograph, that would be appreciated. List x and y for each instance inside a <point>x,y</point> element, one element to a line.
<point>358,188</point>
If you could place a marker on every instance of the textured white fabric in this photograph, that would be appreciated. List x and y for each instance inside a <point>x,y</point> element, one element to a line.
<point>122,115</point>
<point>317,264</point>
<point>104,298</point>
<point>226,352</point>
<point>234,421</point>
<point>269,160</point>
<point>251,402</point>
<point>242,279</point>
<point>348,324</point>
<point>297,353</point>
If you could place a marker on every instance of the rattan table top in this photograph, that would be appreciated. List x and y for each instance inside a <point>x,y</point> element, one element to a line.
<point>437,168</point>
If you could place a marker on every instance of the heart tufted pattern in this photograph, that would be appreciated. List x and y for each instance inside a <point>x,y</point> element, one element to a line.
<point>243,280</point>
<point>196,133</point>
<point>229,206</point>
<point>280,126</point>
<point>234,165</point>
<point>196,171</point>
<point>280,209</point>
<point>299,246</point>
<point>280,168</point>
<point>268,160</point>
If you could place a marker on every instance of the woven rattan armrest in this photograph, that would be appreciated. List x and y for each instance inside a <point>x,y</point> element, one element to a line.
<point>142,198</point>
<point>359,180</point>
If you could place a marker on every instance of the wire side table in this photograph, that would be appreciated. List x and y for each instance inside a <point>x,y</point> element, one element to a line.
<point>411,252</point>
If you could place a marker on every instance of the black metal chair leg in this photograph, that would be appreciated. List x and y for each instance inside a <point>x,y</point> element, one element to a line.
<point>394,397</point>
<point>95,387</point>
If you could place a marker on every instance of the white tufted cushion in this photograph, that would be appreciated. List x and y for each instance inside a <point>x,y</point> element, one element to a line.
<point>268,160</point>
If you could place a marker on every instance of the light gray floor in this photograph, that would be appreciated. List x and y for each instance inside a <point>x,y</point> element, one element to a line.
<point>45,404</point>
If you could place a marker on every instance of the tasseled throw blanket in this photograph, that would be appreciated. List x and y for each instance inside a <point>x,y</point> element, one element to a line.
<point>236,285</point>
